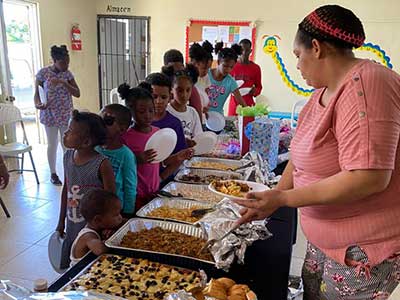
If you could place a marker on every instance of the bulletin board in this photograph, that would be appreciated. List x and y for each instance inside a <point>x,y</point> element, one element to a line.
<point>229,32</point>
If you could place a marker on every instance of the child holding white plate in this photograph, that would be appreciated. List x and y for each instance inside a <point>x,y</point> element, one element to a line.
<point>140,102</point>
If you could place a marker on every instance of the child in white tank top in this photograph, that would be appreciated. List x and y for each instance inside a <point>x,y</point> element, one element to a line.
<point>102,211</point>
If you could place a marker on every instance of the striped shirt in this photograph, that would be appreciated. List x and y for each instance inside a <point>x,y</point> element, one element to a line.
<point>359,129</point>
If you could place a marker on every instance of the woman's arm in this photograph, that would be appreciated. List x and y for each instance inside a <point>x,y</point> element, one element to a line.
<point>72,87</point>
<point>36,96</point>
<point>344,187</point>
<point>239,98</point>
<point>286,181</point>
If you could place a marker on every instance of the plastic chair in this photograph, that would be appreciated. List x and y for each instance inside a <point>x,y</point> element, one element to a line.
<point>9,114</point>
<point>296,109</point>
<point>3,205</point>
<point>114,92</point>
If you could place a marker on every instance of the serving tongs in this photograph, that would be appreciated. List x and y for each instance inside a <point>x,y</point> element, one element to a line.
<point>169,195</point>
<point>248,165</point>
<point>199,213</point>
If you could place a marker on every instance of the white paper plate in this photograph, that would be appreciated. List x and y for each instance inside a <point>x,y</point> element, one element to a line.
<point>163,142</point>
<point>239,82</point>
<point>244,91</point>
<point>254,187</point>
<point>215,121</point>
<point>54,250</point>
<point>42,95</point>
<point>205,142</point>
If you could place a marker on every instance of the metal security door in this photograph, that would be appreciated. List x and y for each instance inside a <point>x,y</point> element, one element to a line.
<point>123,53</point>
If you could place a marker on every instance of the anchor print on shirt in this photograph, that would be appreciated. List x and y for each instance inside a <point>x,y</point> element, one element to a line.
<point>73,204</point>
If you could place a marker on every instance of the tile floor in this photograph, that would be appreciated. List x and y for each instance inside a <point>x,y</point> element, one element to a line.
<point>34,209</point>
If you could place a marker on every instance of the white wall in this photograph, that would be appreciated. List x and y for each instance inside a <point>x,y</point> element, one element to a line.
<point>167,28</point>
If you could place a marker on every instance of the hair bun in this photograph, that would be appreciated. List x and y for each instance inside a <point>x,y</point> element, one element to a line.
<point>218,47</point>
<point>123,90</point>
<point>208,47</point>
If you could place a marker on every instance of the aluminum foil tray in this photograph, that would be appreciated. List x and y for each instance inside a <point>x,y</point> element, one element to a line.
<point>137,224</point>
<point>84,273</point>
<point>203,173</point>
<point>172,203</point>
<point>229,162</point>
<point>193,191</point>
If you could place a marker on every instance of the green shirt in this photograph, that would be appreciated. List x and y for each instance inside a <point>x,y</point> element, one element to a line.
<point>123,162</point>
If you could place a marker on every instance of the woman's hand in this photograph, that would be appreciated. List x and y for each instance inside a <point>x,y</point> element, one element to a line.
<point>260,205</point>
<point>55,81</point>
<point>146,156</point>
<point>40,105</point>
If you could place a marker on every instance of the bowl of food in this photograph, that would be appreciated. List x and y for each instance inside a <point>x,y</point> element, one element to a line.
<point>236,189</point>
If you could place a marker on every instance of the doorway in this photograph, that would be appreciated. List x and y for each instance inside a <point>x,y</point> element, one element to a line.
<point>24,58</point>
<point>123,53</point>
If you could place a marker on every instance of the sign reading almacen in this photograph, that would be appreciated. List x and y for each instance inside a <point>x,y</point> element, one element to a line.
<point>118,9</point>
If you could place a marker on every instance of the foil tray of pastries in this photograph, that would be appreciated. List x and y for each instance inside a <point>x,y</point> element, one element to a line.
<point>192,191</point>
<point>162,237</point>
<point>205,176</point>
<point>172,209</point>
<point>217,289</point>
<point>133,278</point>
<point>213,163</point>
<point>227,289</point>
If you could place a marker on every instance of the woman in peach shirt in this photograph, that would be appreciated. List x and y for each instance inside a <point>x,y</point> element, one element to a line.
<point>344,173</point>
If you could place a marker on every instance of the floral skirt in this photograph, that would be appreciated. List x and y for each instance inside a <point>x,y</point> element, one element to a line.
<point>326,279</point>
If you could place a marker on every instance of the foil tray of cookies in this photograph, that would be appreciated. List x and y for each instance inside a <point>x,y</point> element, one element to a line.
<point>205,176</point>
<point>162,238</point>
<point>214,163</point>
<point>192,191</point>
<point>179,210</point>
<point>133,278</point>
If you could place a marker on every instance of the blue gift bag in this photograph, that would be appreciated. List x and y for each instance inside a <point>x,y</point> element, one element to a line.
<point>263,134</point>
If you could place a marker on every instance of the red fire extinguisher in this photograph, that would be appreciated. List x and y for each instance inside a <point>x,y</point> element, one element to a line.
<point>76,41</point>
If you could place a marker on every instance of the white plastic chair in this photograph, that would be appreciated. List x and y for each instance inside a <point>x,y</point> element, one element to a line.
<point>296,109</point>
<point>10,114</point>
<point>114,92</point>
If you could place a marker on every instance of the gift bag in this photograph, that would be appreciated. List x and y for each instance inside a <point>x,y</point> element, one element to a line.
<point>263,134</point>
<point>243,139</point>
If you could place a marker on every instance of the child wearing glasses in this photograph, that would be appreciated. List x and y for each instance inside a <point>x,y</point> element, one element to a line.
<point>117,119</point>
